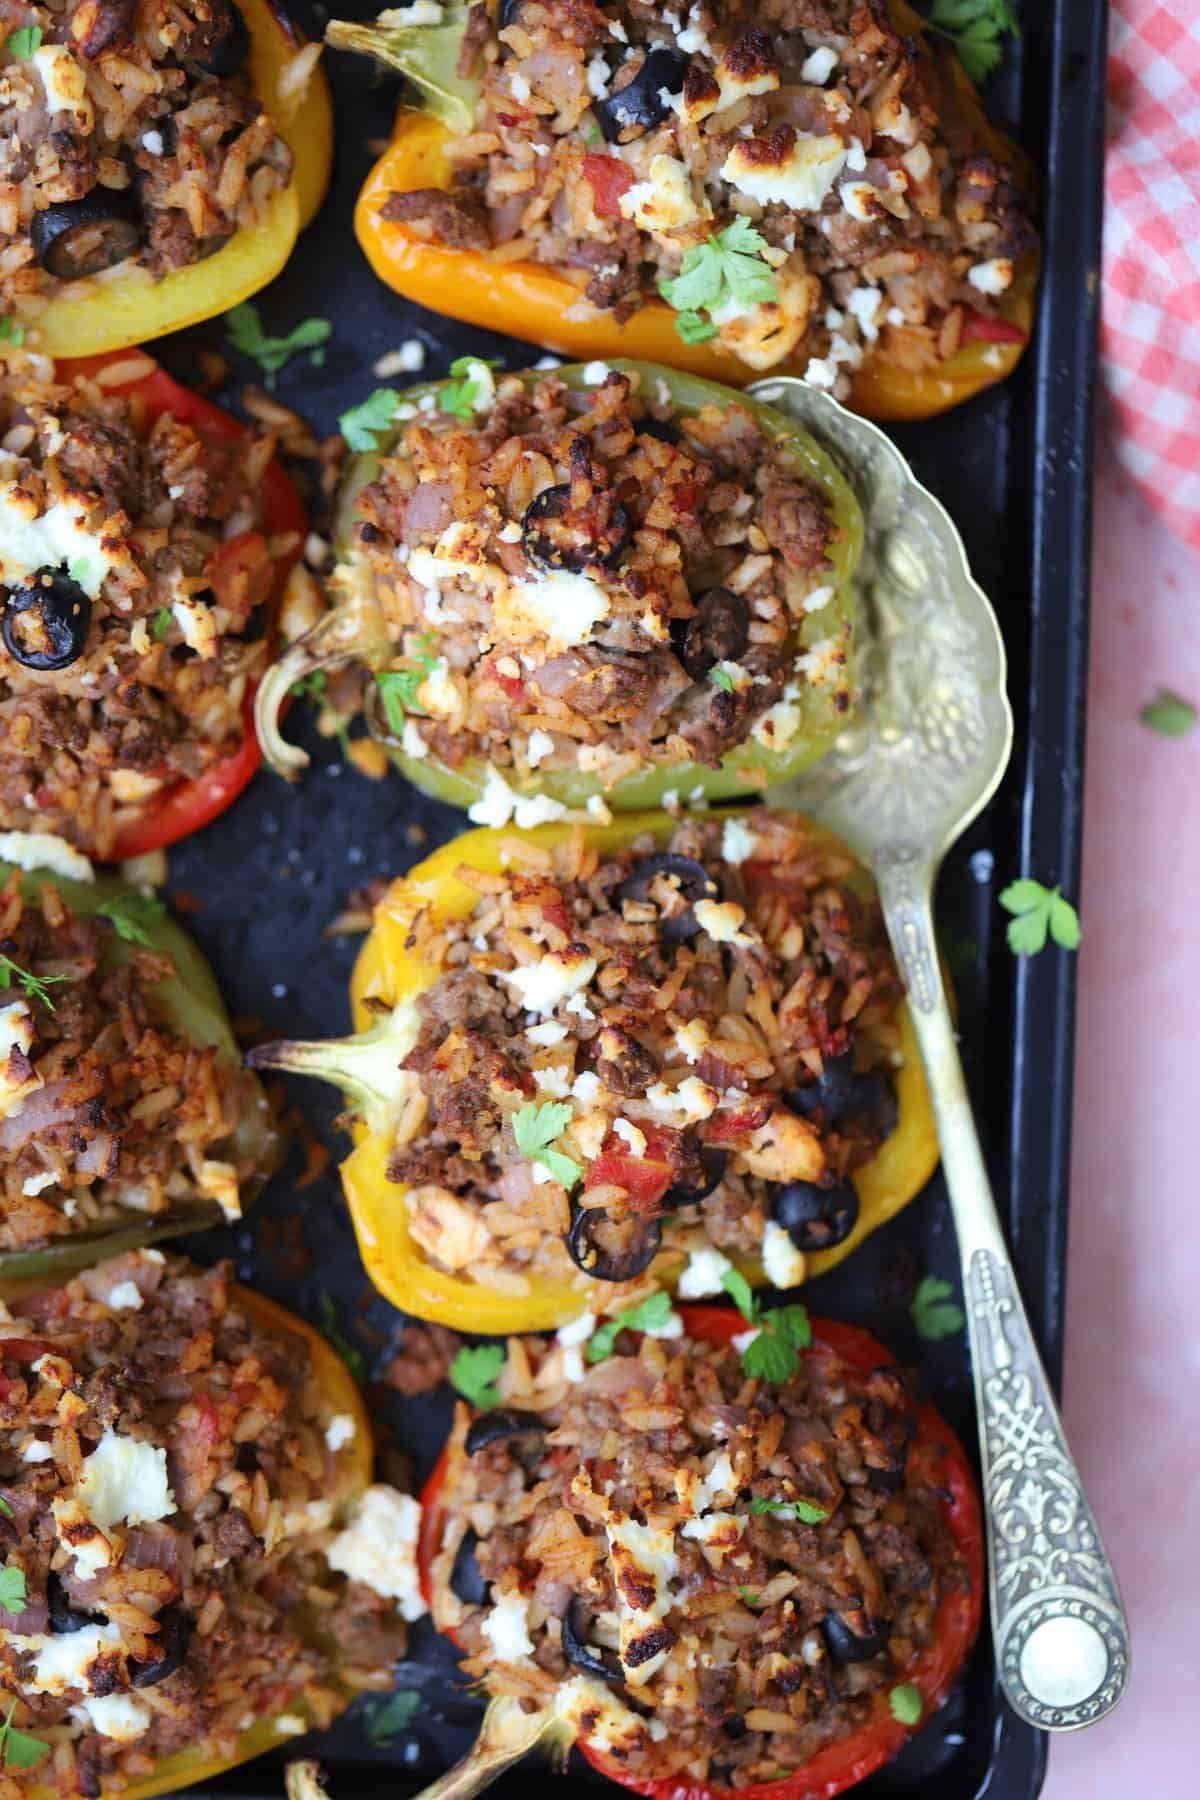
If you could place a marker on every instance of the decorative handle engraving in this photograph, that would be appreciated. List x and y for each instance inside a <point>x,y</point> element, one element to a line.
<point>1062,1643</point>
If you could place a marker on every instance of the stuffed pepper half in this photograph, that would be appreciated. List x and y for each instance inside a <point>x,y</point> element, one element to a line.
<point>125,1114</point>
<point>145,537</point>
<point>811,188</point>
<point>712,1572</point>
<point>592,1058</point>
<point>604,581</point>
<point>159,160</point>
<point>184,1470</point>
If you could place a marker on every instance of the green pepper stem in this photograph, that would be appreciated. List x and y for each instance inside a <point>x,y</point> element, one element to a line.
<point>426,54</point>
<point>366,1068</point>
<point>507,1734</point>
<point>349,632</point>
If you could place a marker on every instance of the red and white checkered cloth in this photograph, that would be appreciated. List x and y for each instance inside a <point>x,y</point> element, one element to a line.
<point>1150,312</point>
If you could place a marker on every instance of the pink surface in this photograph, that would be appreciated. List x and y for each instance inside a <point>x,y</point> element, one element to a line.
<point>1132,1381</point>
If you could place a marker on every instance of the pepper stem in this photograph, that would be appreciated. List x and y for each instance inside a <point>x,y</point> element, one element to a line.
<point>507,1734</point>
<point>343,635</point>
<point>302,1781</point>
<point>366,1068</point>
<point>426,54</point>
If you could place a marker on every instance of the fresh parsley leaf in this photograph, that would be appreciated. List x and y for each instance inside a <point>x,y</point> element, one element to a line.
<point>24,42</point>
<point>721,678</point>
<point>975,28</point>
<point>535,1129</point>
<point>769,1357</point>
<point>385,1720</point>
<point>131,914</point>
<point>648,1315</point>
<point>747,1596</point>
<point>906,1704</point>
<point>742,1295</point>
<point>350,1354</point>
<point>729,267</point>
<point>17,1748</point>
<point>34,987</point>
<point>474,1371</point>
<point>593,135</point>
<point>79,569</point>
<point>363,425</point>
<point>245,332</point>
<point>398,692</point>
<point>934,1313</point>
<point>793,1321</point>
<point>1039,911</point>
<point>807,1511</point>
<point>1169,714</point>
<point>163,621</point>
<point>472,389</point>
<point>12,1588</point>
<point>5,1509</point>
<point>783,1332</point>
<point>309,687</point>
<point>12,333</point>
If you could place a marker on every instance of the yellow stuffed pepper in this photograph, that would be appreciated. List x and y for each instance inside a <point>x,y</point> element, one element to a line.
<point>595,1057</point>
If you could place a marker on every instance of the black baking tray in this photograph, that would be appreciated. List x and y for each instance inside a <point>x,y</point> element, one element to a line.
<point>262,883</point>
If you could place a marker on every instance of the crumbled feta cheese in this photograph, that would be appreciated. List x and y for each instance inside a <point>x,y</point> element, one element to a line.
<point>576,1331</point>
<point>33,1184</point>
<point>821,372</point>
<point>152,141</point>
<point>641,1554</point>
<point>551,1032</point>
<point>195,620</point>
<point>340,1431</point>
<point>412,743</point>
<point>423,12</point>
<point>783,1263</point>
<point>539,747</point>
<point>800,181</point>
<point>992,277</point>
<point>722,920</point>
<point>692,1101</point>
<point>856,156</point>
<point>42,850</point>
<point>819,65</point>
<point>379,1547</point>
<point>691,1040</point>
<point>544,984</point>
<point>864,303</point>
<point>17,1033</point>
<point>37,1450</point>
<point>860,200</point>
<point>116,1716</point>
<point>820,597</point>
<point>124,1481</point>
<point>703,1273</point>
<point>30,541</point>
<point>595,374</point>
<point>664,201</point>
<point>506,1628</point>
<point>586,1087</point>
<point>552,1081</point>
<point>562,606</point>
<point>64,1661</point>
<point>519,88</point>
<point>65,83</point>
<point>738,842</point>
<point>629,1133</point>
<point>597,82</point>
<point>125,1297</point>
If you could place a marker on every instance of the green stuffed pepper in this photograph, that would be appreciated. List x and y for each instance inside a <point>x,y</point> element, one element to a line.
<point>609,583</point>
<point>125,1115</point>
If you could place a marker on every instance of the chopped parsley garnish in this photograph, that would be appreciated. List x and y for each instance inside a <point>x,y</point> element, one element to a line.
<point>721,678</point>
<point>1039,910</point>
<point>398,691</point>
<point>747,1596</point>
<point>32,986</point>
<point>24,42</point>
<point>131,914</point>
<point>474,386</point>
<point>350,1354</point>
<point>934,1313</point>
<point>535,1129</point>
<point>807,1511</point>
<point>975,28</point>
<point>906,1704</point>
<point>5,1509</point>
<point>245,332</point>
<point>728,268</point>
<point>386,1719</point>
<point>18,1749</point>
<point>653,1314</point>
<point>782,1333</point>
<point>309,687</point>
<point>12,333</point>
<point>12,1588</point>
<point>363,425</point>
<point>474,1373</point>
<point>80,569</point>
<point>163,620</point>
<point>1169,714</point>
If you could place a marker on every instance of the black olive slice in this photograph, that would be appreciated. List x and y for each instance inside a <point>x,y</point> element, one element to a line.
<point>45,624</point>
<point>219,44</point>
<point>64,1618</point>
<point>467,1581</point>
<point>605,1664</point>
<point>175,1634</point>
<point>718,631</point>
<point>694,883</point>
<point>816,1218</point>
<point>664,429</point>
<point>639,106</point>
<point>687,1193</point>
<point>501,1422</point>
<point>556,535</point>
<point>848,1645</point>
<point>734,1726</point>
<point>509,10</point>
<point>74,238</point>
<point>891,1479</point>
<point>612,1250</point>
<point>840,1094</point>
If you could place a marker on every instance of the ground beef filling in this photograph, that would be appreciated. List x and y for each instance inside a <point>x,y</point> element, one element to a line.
<point>108,1112</point>
<point>126,131</point>
<point>623,1534</point>
<point>138,1639</point>
<point>157,567</point>
<point>611,140</point>
<point>595,582</point>
<point>696,1027</point>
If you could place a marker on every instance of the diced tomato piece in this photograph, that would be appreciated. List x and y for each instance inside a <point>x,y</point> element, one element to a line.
<point>985,328</point>
<point>645,1178</point>
<point>210,1418</point>
<point>23,1350</point>
<point>608,180</point>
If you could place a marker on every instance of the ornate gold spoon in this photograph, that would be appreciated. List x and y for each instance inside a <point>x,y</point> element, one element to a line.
<point>924,755</point>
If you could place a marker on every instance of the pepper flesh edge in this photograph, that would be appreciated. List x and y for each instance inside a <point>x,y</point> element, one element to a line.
<point>386,971</point>
<point>837,1766</point>
<point>127,306</point>
<point>354,1462</point>
<point>191,1003</point>
<point>528,300</point>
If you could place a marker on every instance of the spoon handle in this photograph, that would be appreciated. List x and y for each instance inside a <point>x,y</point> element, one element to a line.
<point>1060,1632</point>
